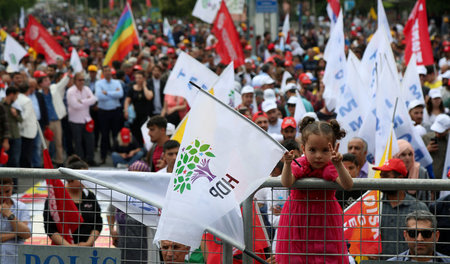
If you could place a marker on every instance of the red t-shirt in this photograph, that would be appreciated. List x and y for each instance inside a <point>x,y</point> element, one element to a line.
<point>156,156</point>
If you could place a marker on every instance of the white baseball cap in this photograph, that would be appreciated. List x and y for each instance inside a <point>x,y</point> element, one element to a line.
<point>292,100</point>
<point>269,94</point>
<point>247,89</point>
<point>268,105</point>
<point>421,70</point>
<point>267,80</point>
<point>441,124</point>
<point>435,93</point>
<point>415,103</point>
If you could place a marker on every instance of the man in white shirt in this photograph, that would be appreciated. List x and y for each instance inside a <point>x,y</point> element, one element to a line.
<point>270,108</point>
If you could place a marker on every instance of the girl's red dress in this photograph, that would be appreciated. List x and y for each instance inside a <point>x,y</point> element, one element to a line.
<point>311,223</point>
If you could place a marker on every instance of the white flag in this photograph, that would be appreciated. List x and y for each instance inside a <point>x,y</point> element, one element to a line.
<point>334,76</point>
<point>75,61</point>
<point>285,30</point>
<point>14,52</point>
<point>383,21</point>
<point>151,186</point>
<point>189,69</point>
<point>224,87</point>
<point>286,75</point>
<point>223,158</point>
<point>350,108</point>
<point>206,10</point>
<point>446,168</point>
<point>411,86</point>
<point>22,18</point>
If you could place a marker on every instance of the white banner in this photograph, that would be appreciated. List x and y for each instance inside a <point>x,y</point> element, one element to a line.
<point>189,69</point>
<point>446,168</point>
<point>14,52</point>
<point>334,77</point>
<point>206,10</point>
<point>224,87</point>
<point>411,86</point>
<point>350,108</point>
<point>285,31</point>
<point>75,61</point>
<point>383,21</point>
<point>214,171</point>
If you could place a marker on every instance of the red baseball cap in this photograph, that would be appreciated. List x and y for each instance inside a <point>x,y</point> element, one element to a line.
<point>125,135</point>
<point>39,74</point>
<point>137,67</point>
<point>258,114</point>
<point>288,122</point>
<point>170,51</point>
<point>393,165</point>
<point>447,49</point>
<point>304,78</point>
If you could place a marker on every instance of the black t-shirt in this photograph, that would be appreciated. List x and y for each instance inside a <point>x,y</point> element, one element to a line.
<point>142,106</point>
<point>91,212</point>
<point>126,149</point>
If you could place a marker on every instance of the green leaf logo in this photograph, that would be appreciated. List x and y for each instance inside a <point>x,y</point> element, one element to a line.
<point>192,165</point>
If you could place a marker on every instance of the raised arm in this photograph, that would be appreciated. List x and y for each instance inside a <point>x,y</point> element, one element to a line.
<point>344,179</point>
<point>287,178</point>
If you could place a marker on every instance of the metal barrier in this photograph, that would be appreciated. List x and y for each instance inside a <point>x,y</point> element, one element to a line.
<point>33,176</point>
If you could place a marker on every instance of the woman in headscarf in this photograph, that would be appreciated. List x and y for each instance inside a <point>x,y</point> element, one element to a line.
<point>415,171</point>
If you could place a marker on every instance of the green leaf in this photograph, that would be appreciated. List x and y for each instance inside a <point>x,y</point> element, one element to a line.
<point>179,163</point>
<point>185,159</point>
<point>209,154</point>
<point>180,179</point>
<point>182,187</point>
<point>193,151</point>
<point>188,148</point>
<point>197,143</point>
<point>204,147</point>
<point>191,166</point>
<point>187,179</point>
<point>196,159</point>
<point>188,186</point>
<point>177,187</point>
<point>174,181</point>
<point>180,170</point>
<point>192,157</point>
<point>189,174</point>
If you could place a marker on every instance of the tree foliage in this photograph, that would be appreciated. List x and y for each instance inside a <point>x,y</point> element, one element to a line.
<point>176,8</point>
<point>11,9</point>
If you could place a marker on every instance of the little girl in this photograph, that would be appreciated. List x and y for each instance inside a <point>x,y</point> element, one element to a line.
<point>311,227</point>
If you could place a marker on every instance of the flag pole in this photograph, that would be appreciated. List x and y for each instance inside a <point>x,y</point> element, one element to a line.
<point>243,117</point>
<point>211,230</point>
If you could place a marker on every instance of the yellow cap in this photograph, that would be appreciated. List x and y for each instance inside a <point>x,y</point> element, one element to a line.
<point>92,68</point>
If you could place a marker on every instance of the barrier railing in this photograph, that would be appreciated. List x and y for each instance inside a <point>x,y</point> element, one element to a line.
<point>265,208</point>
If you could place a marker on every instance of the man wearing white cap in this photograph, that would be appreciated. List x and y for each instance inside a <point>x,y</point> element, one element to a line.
<point>270,108</point>
<point>436,142</point>
<point>247,94</point>
<point>267,82</point>
<point>245,77</point>
<point>422,71</point>
<point>415,109</point>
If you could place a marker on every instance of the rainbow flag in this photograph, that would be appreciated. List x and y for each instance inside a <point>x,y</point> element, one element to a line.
<point>124,38</point>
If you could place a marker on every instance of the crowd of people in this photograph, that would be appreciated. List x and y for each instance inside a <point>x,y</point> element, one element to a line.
<point>104,109</point>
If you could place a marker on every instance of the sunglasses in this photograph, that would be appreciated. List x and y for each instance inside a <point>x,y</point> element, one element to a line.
<point>425,233</point>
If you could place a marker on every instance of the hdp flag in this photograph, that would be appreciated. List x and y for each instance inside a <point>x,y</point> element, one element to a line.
<point>417,36</point>
<point>124,38</point>
<point>14,52</point>
<point>223,158</point>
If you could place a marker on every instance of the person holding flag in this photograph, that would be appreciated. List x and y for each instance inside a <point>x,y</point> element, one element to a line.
<point>87,229</point>
<point>319,236</point>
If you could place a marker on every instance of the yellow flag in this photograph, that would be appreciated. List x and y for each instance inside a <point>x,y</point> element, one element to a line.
<point>3,35</point>
<point>387,154</point>
<point>373,14</point>
<point>179,131</point>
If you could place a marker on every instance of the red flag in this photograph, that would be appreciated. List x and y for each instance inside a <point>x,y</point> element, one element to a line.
<point>62,208</point>
<point>228,44</point>
<point>417,36</point>
<point>111,4</point>
<point>361,225</point>
<point>335,6</point>
<point>42,42</point>
<point>259,236</point>
<point>148,3</point>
